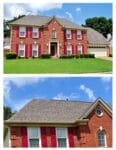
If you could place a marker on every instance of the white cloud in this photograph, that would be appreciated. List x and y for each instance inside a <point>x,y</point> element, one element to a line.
<point>78,9</point>
<point>106,79</point>
<point>88,91</point>
<point>61,96</point>
<point>69,15</point>
<point>7,89</point>
<point>13,10</point>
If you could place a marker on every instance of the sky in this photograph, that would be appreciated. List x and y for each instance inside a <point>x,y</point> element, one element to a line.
<point>18,91</point>
<point>76,12</point>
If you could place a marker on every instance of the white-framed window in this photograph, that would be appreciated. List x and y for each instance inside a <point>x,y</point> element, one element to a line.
<point>101,138</point>
<point>69,49</point>
<point>22,31</point>
<point>68,34</point>
<point>53,33</point>
<point>79,49</point>
<point>79,34</point>
<point>33,137</point>
<point>35,50</point>
<point>21,50</point>
<point>61,136</point>
<point>35,32</point>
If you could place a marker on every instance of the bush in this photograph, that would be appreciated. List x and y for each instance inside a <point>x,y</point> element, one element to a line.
<point>67,56</point>
<point>10,55</point>
<point>85,56</point>
<point>110,55</point>
<point>45,56</point>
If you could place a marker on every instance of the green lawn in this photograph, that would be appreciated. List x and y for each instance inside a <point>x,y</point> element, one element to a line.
<point>84,65</point>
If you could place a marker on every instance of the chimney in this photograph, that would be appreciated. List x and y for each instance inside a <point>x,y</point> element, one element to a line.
<point>109,36</point>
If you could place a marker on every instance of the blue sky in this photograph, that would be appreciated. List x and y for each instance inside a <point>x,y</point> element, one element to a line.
<point>76,12</point>
<point>20,90</point>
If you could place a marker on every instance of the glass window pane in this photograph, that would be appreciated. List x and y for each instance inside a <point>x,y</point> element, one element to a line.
<point>61,133</point>
<point>101,138</point>
<point>34,142</point>
<point>62,142</point>
<point>33,133</point>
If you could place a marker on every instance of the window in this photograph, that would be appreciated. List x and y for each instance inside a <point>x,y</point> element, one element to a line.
<point>79,49</point>
<point>61,134</point>
<point>33,137</point>
<point>53,34</point>
<point>35,32</point>
<point>99,112</point>
<point>79,35</point>
<point>69,49</point>
<point>35,50</point>
<point>21,51</point>
<point>68,34</point>
<point>22,31</point>
<point>101,139</point>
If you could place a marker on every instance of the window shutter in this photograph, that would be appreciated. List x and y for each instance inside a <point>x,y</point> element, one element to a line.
<point>24,137</point>
<point>71,137</point>
<point>39,33</point>
<point>27,32</point>
<point>30,50</point>
<point>17,48</point>
<point>76,52</point>
<point>17,31</point>
<point>53,137</point>
<point>43,137</point>
<point>73,50</point>
<point>65,49</point>
<point>39,49</point>
<point>83,49</point>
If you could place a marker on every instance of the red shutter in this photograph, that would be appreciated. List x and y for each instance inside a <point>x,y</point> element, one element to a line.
<point>73,50</point>
<point>43,137</point>
<point>76,52</point>
<point>71,137</point>
<point>30,50</point>
<point>26,32</point>
<point>30,32</point>
<point>39,49</point>
<point>17,31</point>
<point>65,50</point>
<point>26,50</point>
<point>83,52</point>
<point>76,35</point>
<point>53,137</point>
<point>17,48</point>
<point>24,137</point>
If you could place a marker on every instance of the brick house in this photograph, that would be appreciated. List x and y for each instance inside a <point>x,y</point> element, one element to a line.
<point>61,123</point>
<point>32,36</point>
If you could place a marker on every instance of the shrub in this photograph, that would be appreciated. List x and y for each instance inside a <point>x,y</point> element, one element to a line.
<point>45,56</point>
<point>85,56</point>
<point>77,56</point>
<point>67,56</point>
<point>110,55</point>
<point>11,55</point>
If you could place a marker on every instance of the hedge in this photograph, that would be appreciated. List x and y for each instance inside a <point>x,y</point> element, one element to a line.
<point>11,55</point>
<point>67,56</point>
<point>45,56</point>
<point>110,55</point>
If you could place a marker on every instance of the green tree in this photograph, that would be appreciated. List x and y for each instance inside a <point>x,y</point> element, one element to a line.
<point>7,25</point>
<point>100,24</point>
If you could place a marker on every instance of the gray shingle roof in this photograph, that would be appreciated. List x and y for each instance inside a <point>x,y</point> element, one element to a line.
<point>95,38</point>
<point>43,20</point>
<point>50,111</point>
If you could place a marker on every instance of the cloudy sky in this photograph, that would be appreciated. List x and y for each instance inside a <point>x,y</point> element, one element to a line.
<point>76,12</point>
<point>18,91</point>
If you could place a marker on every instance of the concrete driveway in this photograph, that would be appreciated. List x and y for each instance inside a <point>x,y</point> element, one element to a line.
<point>106,58</point>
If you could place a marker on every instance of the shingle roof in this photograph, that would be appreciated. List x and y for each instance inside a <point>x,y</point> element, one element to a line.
<point>43,20</point>
<point>95,38</point>
<point>50,111</point>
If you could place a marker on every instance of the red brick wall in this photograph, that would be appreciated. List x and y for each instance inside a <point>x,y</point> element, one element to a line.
<point>45,38</point>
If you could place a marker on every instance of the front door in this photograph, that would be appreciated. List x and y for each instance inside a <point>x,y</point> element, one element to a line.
<point>53,48</point>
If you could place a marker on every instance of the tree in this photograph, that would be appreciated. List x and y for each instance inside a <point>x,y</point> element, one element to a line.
<point>100,24</point>
<point>7,25</point>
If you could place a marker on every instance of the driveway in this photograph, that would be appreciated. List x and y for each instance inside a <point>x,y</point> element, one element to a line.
<point>106,58</point>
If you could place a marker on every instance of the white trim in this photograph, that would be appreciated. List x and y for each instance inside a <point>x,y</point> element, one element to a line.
<point>35,30</point>
<point>79,33</point>
<point>39,136</point>
<point>23,28</point>
<point>35,50</point>
<point>19,50</point>
<point>105,139</point>
<point>9,141</point>
<point>67,142</point>
<point>68,32</point>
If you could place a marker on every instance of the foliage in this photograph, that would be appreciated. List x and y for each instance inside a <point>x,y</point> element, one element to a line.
<point>67,56</point>
<point>45,56</point>
<point>100,24</point>
<point>7,25</point>
<point>110,55</point>
<point>10,55</point>
<point>84,65</point>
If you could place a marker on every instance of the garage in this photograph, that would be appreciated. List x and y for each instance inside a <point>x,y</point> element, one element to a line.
<point>99,52</point>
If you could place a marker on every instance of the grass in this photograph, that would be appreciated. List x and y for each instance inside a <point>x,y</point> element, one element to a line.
<point>74,66</point>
